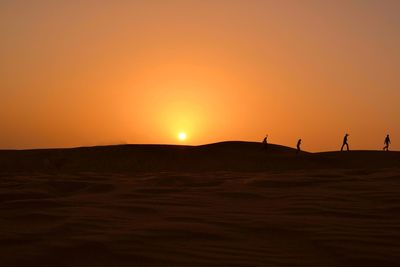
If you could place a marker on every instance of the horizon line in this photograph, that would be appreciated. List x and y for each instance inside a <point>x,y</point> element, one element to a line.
<point>183,145</point>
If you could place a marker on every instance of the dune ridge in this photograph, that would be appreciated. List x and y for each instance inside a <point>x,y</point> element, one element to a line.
<point>230,156</point>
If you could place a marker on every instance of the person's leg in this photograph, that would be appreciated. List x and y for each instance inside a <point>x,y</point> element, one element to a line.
<point>342,148</point>
<point>347,145</point>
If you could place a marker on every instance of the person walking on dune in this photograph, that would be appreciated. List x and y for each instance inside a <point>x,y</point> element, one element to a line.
<point>345,142</point>
<point>387,143</point>
<point>298,146</point>
<point>265,142</point>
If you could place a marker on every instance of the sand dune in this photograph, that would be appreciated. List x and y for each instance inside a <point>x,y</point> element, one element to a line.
<point>226,204</point>
<point>224,156</point>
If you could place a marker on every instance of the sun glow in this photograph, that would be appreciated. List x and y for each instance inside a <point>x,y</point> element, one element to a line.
<point>182,136</point>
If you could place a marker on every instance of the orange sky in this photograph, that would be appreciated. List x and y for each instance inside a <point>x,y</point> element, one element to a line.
<point>76,73</point>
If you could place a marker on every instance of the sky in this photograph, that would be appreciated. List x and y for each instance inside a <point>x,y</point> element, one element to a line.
<point>85,73</point>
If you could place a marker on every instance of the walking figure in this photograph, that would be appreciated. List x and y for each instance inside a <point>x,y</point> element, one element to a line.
<point>298,146</point>
<point>345,142</point>
<point>265,142</point>
<point>387,143</point>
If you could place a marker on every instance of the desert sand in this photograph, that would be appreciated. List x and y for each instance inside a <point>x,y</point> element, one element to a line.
<point>224,204</point>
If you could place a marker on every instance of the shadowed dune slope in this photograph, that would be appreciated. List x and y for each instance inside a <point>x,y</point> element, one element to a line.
<point>224,204</point>
<point>225,156</point>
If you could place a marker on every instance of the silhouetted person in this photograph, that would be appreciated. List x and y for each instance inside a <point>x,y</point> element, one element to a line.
<point>265,142</point>
<point>298,146</point>
<point>387,143</point>
<point>345,139</point>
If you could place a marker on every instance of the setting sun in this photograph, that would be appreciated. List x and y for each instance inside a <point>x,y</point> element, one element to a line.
<point>182,136</point>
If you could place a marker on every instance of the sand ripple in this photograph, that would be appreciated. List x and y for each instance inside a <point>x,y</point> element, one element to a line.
<point>297,218</point>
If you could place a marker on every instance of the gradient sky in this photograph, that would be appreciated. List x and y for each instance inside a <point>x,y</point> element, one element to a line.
<point>76,73</point>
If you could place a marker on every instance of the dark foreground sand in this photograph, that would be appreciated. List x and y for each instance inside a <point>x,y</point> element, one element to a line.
<point>338,210</point>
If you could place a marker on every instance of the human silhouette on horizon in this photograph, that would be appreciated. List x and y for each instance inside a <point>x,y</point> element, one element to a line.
<point>298,146</point>
<point>345,143</point>
<point>265,142</point>
<point>387,143</point>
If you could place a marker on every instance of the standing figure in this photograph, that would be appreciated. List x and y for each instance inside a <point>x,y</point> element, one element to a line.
<point>298,146</point>
<point>387,143</point>
<point>265,142</point>
<point>345,142</point>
